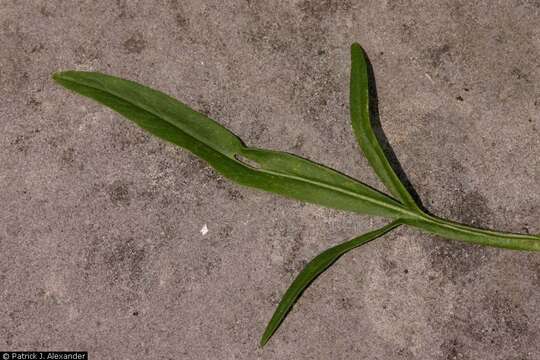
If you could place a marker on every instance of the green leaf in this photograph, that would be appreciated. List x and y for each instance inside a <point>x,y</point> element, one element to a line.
<point>363,130</point>
<point>287,174</point>
<point>273,171</point>
<point>451,230</point>
<point>312,270</point>
<point>362,126</point>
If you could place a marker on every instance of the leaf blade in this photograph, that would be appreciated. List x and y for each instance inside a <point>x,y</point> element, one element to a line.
<point>363,130</point>
<point>312,270</point>
<point>455,231</point>
<point>175,122</point>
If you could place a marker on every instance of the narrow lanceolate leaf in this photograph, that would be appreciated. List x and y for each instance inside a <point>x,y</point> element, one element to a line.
<point>313,269</point>
<point>362,126</point>
<point>451,230</point>
<point>272,171</point>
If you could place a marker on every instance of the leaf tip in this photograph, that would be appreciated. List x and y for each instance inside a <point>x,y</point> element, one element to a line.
<point>356,49</point>
<point>67,75</point>
<point>56,76</point>
<point>264,339</point>
<point>268,332</point>
<point>61,76</point>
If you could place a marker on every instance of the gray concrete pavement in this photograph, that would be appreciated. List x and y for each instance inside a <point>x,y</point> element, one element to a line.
<point>100,223</point>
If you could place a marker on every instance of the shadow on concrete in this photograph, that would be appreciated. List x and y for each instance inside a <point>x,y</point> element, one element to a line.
<point>381,137</point>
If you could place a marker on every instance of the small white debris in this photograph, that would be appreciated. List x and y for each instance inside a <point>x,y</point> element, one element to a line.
<point>204,230</point>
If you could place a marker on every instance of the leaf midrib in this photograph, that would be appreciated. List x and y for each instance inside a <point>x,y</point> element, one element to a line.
<point>345,191</point>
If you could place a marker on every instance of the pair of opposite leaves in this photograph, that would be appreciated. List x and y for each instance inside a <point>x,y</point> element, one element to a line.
<point>287,174</point>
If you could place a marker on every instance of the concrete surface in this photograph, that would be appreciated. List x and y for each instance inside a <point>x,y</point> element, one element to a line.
<point>100,224</point>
